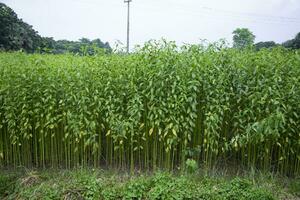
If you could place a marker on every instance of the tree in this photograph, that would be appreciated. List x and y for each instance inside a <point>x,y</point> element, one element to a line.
<point>47,45</point>
<point>242,37</point>
<point>82,47</point>
<point>293,43</point>
<point>16,34</point>
<point>267,44</point>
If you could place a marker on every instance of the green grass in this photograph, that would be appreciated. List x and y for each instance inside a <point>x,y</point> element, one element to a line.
<point>97,184</point>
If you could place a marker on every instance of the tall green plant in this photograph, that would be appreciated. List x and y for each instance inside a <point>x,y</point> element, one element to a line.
<point>154,108</point>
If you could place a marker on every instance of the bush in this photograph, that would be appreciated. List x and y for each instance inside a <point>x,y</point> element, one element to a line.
<point>7,184</point>
<point>191,166</point>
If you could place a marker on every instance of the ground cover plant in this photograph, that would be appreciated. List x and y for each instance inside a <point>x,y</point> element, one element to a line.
<point>160,107</point>
<point>109,185</point>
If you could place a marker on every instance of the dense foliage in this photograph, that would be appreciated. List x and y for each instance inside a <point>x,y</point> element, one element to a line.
<point>155,108</point>
<point>293,43</point>
<point>92,185</point>
<point>15,35</point>
<point>242,38</point>
<point>81,47</point>
<point>268,44</point>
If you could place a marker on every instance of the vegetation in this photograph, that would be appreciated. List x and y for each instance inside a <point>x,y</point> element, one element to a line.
<point>293,43</point>
<point>82,47</point>
<point>242,38</point>
<point>93,184</point>
<point>268,44</point>
<point>18,35</point>
<point>194,111</point>
<point>154,108</point>
<point>290,44</point>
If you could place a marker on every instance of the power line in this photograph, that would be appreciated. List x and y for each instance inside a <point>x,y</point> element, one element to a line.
<point>256,17</point>
<point>235,15</point>
<point>251,14</point>
<point>205,12</point>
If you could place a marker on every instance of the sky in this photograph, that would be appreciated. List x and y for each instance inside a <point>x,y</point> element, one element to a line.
<point>183,21</point>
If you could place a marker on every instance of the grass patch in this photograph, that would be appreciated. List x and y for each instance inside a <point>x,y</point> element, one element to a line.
<point>107,185</point>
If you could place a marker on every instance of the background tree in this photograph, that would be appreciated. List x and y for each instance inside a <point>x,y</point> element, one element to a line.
<point>47,45</point>
<point>18,35</point>
<point>242,37</point>
<point>293,43</point>
<point>267,44</point>
<point>82,47</point>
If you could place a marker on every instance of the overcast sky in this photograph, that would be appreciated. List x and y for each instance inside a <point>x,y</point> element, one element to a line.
<point>185,21</point>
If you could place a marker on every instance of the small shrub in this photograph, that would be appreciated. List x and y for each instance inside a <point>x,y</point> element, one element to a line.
<point>294,187</point>
<point>191,166</point>
<point>7,185</point>
<point>136,188</point>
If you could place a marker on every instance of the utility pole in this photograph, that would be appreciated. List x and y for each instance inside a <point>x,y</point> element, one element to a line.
<point>128,6</point>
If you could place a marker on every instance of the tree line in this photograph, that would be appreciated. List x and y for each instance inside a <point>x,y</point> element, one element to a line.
<point>15,34</point>
<point>243,37</point>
